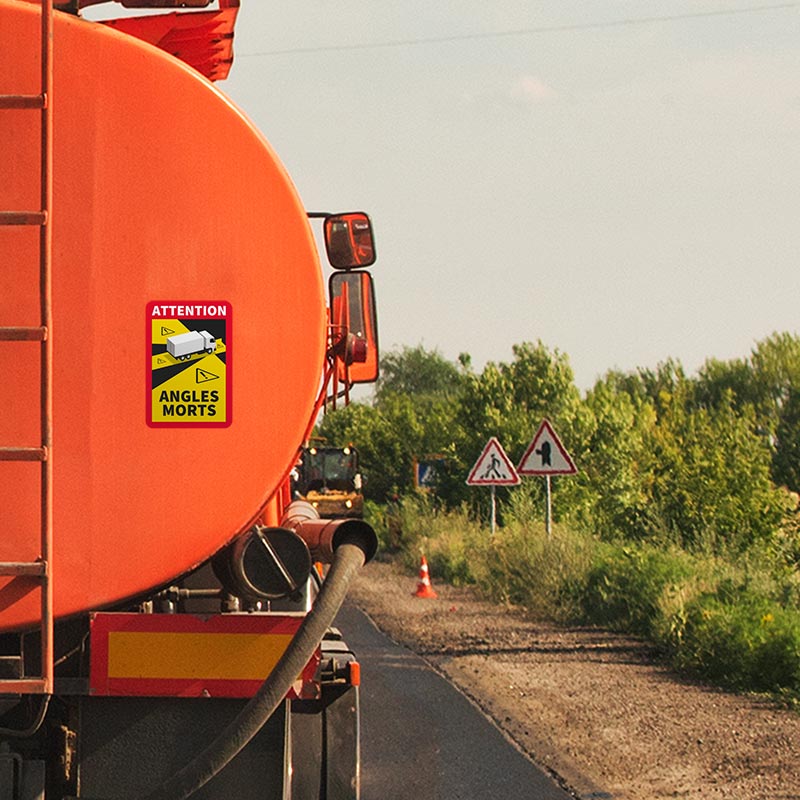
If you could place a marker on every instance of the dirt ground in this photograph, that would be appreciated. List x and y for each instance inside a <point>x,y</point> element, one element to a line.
<point>596,710</point>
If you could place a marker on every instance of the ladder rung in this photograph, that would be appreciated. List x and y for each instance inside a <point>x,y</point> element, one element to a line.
<point>23,454</point>
<point>37,569</point>
<point>22,101</point>
<point>23,217</point>
<point>23,334</point>
<point>23,686</point>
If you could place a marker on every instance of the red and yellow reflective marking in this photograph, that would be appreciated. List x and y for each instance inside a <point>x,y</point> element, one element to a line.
<point>191,656</point>
<point>198,655</point>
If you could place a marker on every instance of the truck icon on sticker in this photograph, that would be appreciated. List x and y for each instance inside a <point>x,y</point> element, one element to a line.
<point>185,345</point>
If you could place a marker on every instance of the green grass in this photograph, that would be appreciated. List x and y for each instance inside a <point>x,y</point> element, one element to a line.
<point>730,619</point>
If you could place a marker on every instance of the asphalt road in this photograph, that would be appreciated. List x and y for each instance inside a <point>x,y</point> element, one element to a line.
<point>422,739</point>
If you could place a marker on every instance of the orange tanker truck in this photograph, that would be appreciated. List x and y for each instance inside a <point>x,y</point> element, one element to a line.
<point>166,346</point>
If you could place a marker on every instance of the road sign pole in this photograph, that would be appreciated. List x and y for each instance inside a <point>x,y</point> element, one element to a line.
<point>549,518</point>
<point>494,509</point>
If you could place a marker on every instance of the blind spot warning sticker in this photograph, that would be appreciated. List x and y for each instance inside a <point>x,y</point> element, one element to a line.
<point>189,363</point>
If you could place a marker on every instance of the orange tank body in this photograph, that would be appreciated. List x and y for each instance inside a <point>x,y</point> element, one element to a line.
<point>163,191</point>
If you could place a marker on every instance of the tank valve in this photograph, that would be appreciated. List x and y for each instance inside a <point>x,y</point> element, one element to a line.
<point>264,563</point>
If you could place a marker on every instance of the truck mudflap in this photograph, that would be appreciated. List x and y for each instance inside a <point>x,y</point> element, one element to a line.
<point>127,746</point>
<point>326,733</point>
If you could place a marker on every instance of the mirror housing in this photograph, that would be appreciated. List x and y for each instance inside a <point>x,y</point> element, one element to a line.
<point>348,240</point>
<point>352,303</point>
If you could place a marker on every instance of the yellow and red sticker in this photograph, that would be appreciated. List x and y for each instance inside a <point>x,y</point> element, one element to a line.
<point>189,363</point>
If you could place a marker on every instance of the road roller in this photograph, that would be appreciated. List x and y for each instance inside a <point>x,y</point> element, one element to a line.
<point>168,339</point>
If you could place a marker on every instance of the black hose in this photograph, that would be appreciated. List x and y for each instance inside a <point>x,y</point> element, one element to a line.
<point>347,560</point>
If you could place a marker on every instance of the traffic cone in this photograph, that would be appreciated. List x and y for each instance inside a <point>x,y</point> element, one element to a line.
<point>424,588</point>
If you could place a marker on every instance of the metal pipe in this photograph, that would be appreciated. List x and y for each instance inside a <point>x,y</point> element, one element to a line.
<point>324,535</point>
<point>46,284</point>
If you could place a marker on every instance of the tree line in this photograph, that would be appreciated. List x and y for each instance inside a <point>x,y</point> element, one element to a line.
<point>709,457</point>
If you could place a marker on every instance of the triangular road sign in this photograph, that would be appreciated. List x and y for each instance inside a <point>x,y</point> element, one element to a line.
<point>546,455</point>
<point>493,467</point>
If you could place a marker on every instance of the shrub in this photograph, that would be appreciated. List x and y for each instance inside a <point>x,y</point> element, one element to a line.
<point>449,540</point>
<point>741,640</point>
<point>625,587</point>
<point>525,566</point>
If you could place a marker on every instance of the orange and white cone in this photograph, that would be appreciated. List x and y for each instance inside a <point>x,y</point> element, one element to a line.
<point>424,588</point>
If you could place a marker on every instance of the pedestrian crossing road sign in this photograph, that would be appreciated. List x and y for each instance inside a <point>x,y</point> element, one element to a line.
<point>493,467</point>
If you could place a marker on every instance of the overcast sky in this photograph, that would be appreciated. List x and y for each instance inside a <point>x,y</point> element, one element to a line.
<point>619,179</point>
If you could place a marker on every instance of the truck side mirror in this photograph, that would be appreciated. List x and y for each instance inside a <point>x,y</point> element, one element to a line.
<point>352,298</point>
<point>348,240</point>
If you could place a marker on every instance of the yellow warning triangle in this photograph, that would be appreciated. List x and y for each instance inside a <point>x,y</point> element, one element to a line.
<point>201,376</point>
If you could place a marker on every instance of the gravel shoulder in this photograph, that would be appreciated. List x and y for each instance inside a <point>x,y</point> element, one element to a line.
<point>595,709</point>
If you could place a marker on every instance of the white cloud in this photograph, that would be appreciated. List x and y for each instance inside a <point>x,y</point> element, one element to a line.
<point>531,89</point>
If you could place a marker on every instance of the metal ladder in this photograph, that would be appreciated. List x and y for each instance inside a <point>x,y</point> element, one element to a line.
<point>41,569</point>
